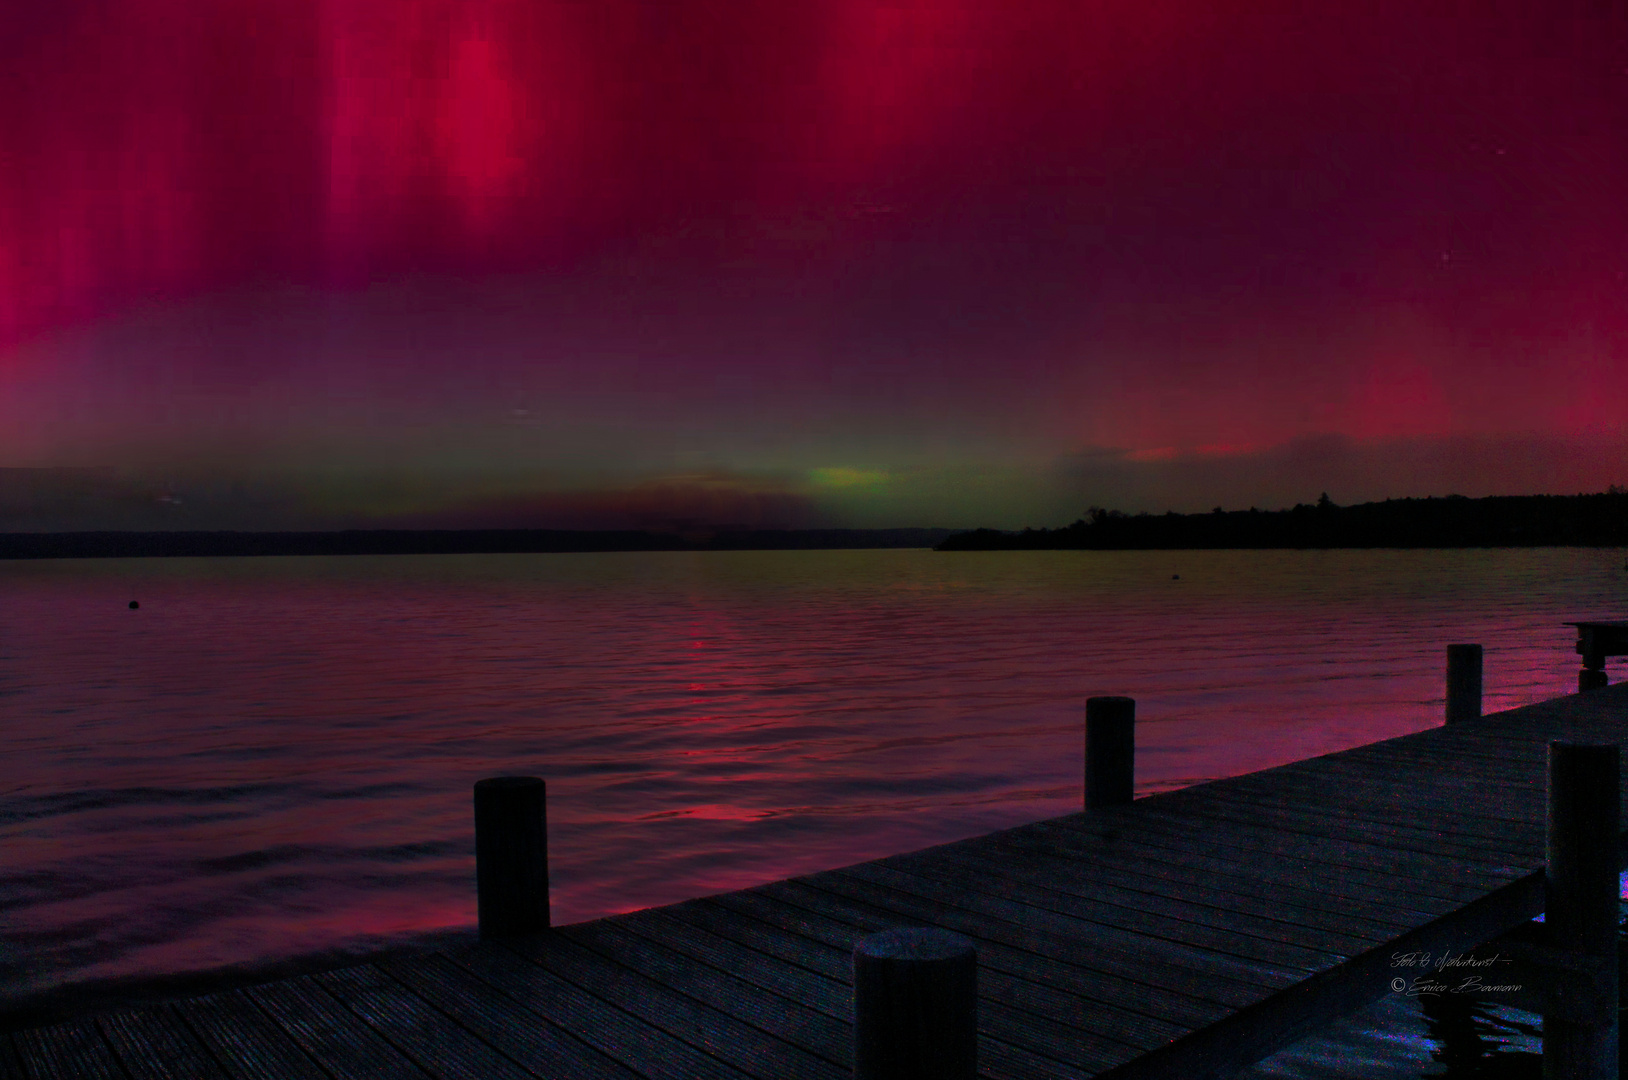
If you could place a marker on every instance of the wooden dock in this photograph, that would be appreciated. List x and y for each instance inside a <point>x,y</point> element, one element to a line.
<point>1184,935</point>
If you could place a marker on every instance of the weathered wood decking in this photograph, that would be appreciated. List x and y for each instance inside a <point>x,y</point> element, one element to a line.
<point>1183,935</point>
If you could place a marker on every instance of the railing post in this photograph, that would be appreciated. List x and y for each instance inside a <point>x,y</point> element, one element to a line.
<point>1110,751</point>
<point>915,1006</point>
<point>1580,907</point>
<point>1463,683</point>
<point>511,855</point>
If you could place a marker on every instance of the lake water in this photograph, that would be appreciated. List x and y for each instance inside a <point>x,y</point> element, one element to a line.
<point>273,757</point>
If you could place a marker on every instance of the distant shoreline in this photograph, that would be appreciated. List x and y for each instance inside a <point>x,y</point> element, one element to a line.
<point>1453,521</point>
<point>125,545</point>
<point>1449,522</point>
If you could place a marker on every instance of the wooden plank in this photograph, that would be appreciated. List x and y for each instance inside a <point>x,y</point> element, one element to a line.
<point>430,1038</point>
<point>1170,1009</point>
<point>776,930</point>
<point>1070,887</point>
<point>784,1017</point>
<point>1432,766</point>
<point>1403,849</point>
<point>244,1041</point>
<point>1475,774</point>
<point>832,996</point>
<point>1430,875</point>
<point>1421,821</point>
<point>1049,1032</point>
<point>829,997</point>
<point>1422,880</point>
<point>834,939</point>
<point>153,1044</point>
<point>539,1043</point>
<point>1477,738</point>
<point>1570,707</point>
<point>1261,855</point>
<point>997,1058</point>
<point>746,1049</point>
<point>1490,815</point>
<point>1247,942</point>
<point>1484,761</point>
<point>1382,799</point>
<point>72,1050</point>
<point>1487,760</point>
<point>1400,823</point>
<point>1462,863</point>
<point>996,976</point>
<point>1098,952</point>
<point>1524,741</point>
<point>1505,795</point>
<point>1118,1008</point>
<point>645,1049</point>
<point>330,1033</point>
<point>818,976</point>
<point>11,1066</point>
<point>1500,863</point>
<point>1163,884</point>
<point>1174,873</point>
<point>1220,1049</point>
<point>1492,807</point>
<point>1154,867</point>
<point>1178,972</point>
<point>1516,758</point>
<point>1247,939</point>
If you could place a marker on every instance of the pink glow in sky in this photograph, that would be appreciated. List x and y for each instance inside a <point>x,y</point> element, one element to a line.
<point>964,262</point>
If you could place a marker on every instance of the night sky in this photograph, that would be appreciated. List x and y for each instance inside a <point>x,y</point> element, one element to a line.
<point>306,263</point>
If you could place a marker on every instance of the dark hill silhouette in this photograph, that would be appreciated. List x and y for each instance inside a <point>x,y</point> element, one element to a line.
<point>1453,521</point>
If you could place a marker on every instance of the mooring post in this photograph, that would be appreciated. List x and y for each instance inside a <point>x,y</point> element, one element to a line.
<point>1463,683</point>
<point>1591,646</point>
<point>915,1006</point>
<point>1591,676</point>
<point>1110,751</point>
<point>511,855</point>
<point>1580,905</point>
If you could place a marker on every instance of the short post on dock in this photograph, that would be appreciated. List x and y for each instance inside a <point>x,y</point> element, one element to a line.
<point>1110,751</point>
<point>1595,642</point>
<point>1580,905</point>
<point>511,855</point>
<point>1463,683</point>
<point>915,1006</point>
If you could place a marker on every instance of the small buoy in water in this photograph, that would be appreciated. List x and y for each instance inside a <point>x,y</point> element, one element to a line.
<point>134,605</point>
<point>1175,577</point>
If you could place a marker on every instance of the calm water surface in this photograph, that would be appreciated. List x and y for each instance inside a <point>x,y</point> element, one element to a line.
<point>274,756</point>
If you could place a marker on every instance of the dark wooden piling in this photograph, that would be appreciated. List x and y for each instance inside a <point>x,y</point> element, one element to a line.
<point>1463,683</point>
<point>1110,751</point>
<point>915,1006</point>
<point>511,855</point>
<point>1580,884</point>
<point>1595,642</point>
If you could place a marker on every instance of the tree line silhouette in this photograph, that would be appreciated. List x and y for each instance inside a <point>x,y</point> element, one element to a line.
<point>1599,520</point>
